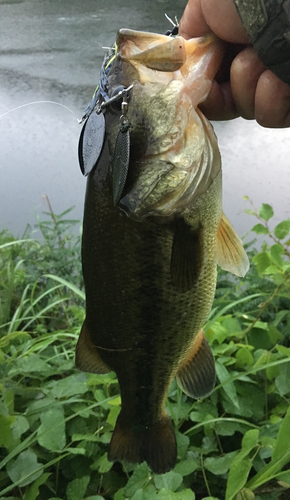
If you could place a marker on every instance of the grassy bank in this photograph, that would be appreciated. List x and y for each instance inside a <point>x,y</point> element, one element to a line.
<point>56,423</point>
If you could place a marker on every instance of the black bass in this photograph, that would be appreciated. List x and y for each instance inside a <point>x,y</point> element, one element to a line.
<point>153,234</point>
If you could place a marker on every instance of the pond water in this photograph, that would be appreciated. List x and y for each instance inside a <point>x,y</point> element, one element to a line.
<point>51,50</point>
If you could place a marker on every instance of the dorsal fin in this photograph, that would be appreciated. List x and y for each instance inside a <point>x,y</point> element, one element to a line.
<point>230,253</point>
<point>196,376</point>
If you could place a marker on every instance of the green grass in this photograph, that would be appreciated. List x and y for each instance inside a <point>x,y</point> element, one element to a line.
<point>56,423</point>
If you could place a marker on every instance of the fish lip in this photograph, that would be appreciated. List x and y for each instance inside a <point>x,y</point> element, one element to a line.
<point>136,33</point>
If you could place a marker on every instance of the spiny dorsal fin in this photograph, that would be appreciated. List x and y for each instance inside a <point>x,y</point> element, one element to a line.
<point>230,253</point>
<point>196,377</point>
<point>87,357</point>
<point>187,256</point>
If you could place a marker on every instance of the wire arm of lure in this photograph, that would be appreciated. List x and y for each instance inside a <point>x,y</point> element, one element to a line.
<point>122,94</point>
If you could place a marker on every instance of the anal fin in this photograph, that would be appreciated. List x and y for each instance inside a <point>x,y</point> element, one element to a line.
<point>230,253</point>
<point>87,358</point>
<point>196,377</point>
<point>186,256</point>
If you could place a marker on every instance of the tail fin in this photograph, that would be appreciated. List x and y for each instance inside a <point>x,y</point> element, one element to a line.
<point>156,444</point>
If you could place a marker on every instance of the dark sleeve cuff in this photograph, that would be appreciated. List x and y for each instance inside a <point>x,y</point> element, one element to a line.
<point>267,23</point>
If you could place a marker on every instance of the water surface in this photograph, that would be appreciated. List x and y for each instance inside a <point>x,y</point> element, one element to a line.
<point>51,50</point>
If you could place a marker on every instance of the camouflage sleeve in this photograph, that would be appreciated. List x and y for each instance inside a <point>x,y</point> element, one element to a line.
<point>267,23</point>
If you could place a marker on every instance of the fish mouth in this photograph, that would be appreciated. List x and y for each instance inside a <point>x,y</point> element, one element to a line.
<point>169,54</point>
<point>171,76</point>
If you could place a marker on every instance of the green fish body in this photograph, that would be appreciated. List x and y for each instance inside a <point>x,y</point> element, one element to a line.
<point>150,263</point>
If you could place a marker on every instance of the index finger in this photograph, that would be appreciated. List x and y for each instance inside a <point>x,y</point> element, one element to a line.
<point>202,16</point>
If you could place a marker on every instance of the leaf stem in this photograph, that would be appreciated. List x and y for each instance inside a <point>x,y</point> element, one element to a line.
<point>204,477</point>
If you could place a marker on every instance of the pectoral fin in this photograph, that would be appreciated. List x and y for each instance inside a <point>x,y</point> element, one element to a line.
<point>187,256</point>
<point>196,377</point>
<point>87,358</point>
<point>230,253</point>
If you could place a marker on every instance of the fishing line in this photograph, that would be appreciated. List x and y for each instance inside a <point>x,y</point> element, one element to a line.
<point>38,102</point>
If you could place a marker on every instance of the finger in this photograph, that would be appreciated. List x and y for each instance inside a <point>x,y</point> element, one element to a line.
<point>219,104</point>
<point>272,101</point>
<point>246,70</point>
<point>192,24</point>
<point>202,16</point>
<point>223,19</point>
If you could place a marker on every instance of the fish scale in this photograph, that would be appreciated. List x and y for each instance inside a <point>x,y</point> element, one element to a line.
<point>150,263</point>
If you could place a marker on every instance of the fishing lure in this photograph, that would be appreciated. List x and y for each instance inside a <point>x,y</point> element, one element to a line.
<point>93,133</point>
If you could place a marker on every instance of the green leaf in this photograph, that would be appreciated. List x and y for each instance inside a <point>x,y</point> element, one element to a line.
<point>51,432</point>
<point>249,441</point>
<point>282,381</point>
<point>85,437</point>
<point>245,494</point>
<point>182,444</point>
<point>280,456</point>
<point>241,465</point>
<point>249,211</point>
<point>274,270</point>
<point>113,415</point>
<point>5,430</point>
<point>171,480</point>
<point>187,466</point>
<point>165,494</point>
<point>281,448</point>
<point>25,469</point>
<point>276,251</point>
<point>139,477</point>
<point>219,465</point>
<point>284,476</point>
<point>244,357</point>
<point>69,386</point>
<point>76,451</point>
<point>266,212</point>
<point>229,388</point>
<point>146,493</point>
<point>272,469</point>
<point>102,464</point>
<point>76,489</point>
<point>260,229</point>
<point>33,490</point>
<point>19,426</point>
<point>237,478</point>
<point>32,363</point>
<point>119,495</point>
<point>228,427</point>
<point>284,350</point>
<point>282,229</point>
<point>67,284</point>
<point>95,497</point>
<point>262,261</point>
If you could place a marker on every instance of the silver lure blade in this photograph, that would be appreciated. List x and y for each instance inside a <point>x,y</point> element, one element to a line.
<point>91,142</point>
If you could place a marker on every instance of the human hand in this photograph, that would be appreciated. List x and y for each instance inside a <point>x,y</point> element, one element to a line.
<point>244,86</point>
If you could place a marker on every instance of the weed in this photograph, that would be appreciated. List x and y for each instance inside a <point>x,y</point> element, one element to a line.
<point>56,423</point>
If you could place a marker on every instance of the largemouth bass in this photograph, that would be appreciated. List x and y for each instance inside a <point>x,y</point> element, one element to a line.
<point>153,234</point>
